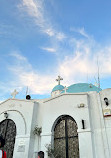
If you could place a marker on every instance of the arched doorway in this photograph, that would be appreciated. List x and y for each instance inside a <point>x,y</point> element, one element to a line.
<point>8,131</point>
<point>66,144</point>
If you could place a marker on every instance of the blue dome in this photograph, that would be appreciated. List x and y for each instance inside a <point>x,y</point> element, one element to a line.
<point>58,87</point>
<point>82,87</point>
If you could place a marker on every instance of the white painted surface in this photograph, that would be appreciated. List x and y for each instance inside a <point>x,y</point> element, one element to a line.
<point>94,141</point>
<point>0,153</point>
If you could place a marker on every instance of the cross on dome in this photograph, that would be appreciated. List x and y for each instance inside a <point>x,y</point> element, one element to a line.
<point>58,79</point>
<point>14,93</point>
<point>65,89</point>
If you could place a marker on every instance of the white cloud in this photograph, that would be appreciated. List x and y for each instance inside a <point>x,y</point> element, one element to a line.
<point>80,31</point>
<point>38,84</point>
<point>24,75</point>
<point>60,36</point>
<point>35,9</point>
<point>6,31</point>
<point>52,50</point>
<point>18,56</point>
<point>73,68</point>
<point>49,32</point>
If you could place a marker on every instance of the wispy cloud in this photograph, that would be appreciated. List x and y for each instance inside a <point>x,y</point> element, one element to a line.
<point>50,32</point>
<point>52,50</point>
<point>36,10</point>
<point>81,31</point>
<point>83,63</point>
<point>24,75</point>
<point>60,36</point>
<point>73,68</point>
<point>18,56</point>
<point>6,31</point>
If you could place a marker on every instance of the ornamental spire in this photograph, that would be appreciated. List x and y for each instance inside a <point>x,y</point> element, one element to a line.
<point>59,79</point>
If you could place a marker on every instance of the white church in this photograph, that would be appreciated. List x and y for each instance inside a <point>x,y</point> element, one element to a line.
<point>75,122</point>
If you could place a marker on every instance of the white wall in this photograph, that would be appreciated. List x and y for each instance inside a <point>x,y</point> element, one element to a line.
<point>22,112</point>
<point>66,104</point>
<point>94,140</point>
<point>95,113</point>
<point>106,121</point>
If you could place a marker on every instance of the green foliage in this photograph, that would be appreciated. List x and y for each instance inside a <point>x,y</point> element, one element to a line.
<point>53,152</point>
<point>37,130</point>
<point>49,151</point>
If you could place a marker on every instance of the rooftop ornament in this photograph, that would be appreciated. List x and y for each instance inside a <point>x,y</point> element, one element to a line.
<point>59,79</point>
<point>65,89</point>
<point>14,93</point>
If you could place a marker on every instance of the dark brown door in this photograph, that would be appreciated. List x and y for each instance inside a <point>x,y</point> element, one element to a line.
<point>8,131</point>
<point>66,144</point>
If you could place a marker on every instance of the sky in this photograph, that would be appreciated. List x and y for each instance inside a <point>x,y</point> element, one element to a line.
<point>41,39</point>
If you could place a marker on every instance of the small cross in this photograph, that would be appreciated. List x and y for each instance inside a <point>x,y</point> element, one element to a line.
<point>13,94</point>
<point>58,79</point>
<point>65,89</point>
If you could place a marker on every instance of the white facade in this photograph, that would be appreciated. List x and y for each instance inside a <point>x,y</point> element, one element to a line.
<point>94,140</point>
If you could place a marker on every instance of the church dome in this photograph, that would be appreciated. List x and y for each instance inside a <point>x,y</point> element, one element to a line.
<point>82,87</point>
<point>58,87</point>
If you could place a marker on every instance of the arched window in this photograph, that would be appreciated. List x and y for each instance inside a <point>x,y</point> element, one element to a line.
<point>8,131</point>
<point>66,144</point>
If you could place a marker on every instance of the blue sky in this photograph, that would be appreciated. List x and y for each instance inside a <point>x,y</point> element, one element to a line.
<point>41,39</point>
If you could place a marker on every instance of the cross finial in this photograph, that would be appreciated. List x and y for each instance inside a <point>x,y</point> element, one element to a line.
<point>58,79</point>
<point>14,93</point>
<point>65,89</point>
